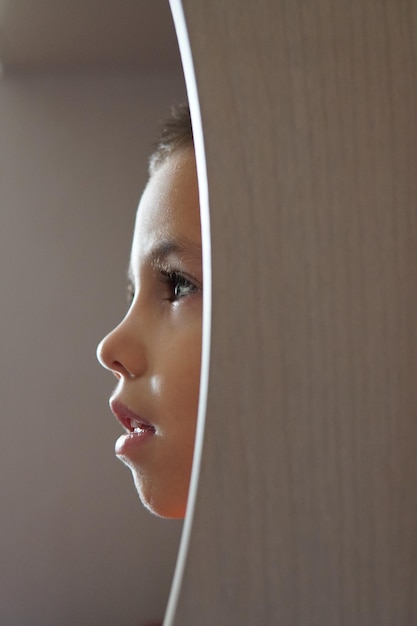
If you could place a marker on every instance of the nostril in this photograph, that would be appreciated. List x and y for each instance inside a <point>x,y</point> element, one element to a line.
<point>120,371</point>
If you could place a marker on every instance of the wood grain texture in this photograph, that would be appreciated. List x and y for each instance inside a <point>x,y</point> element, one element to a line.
<point>306,512</point>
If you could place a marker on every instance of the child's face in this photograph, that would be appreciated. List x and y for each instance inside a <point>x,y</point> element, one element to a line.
<point>155,350</point>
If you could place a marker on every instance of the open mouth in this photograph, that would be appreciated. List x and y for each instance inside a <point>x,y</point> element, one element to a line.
<point>134,425</point>
<point>130,421</point>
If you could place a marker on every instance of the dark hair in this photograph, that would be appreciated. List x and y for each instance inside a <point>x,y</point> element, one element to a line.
<point>176,132</point>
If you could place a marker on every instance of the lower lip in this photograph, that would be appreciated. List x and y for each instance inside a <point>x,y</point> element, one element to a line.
<point>130,442</point>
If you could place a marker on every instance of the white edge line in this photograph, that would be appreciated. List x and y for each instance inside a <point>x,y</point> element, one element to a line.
<point>193,100</point>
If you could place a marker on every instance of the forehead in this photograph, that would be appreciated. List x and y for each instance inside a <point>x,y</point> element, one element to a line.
<point>169,207</point>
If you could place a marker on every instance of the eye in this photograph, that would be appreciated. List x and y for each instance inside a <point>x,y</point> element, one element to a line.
<point>130,292</point>
<point>179,285</point>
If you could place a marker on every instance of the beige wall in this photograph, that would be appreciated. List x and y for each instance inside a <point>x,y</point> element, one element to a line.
<point>306,508</point>
<point>76,546</point>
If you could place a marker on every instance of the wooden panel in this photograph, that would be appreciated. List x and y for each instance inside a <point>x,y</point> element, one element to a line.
<point>306,511</point>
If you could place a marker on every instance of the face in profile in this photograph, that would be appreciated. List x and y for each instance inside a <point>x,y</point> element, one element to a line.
<point>155,351</point>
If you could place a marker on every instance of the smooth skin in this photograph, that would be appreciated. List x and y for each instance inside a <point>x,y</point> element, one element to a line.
<point>155,351</point>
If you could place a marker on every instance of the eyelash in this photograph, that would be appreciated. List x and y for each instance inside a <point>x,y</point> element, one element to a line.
<point>174,280</point>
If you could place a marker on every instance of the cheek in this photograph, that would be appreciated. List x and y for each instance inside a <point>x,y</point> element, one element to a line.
<point>163,487</point>
<point>180,379</point>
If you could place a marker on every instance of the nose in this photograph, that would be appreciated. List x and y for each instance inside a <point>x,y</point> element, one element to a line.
<point>122,351</point>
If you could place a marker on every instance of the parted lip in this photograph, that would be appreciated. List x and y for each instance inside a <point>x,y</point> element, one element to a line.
<point>128,419</point>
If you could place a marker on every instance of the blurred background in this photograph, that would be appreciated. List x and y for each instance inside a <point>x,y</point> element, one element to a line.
<point>83,86</point>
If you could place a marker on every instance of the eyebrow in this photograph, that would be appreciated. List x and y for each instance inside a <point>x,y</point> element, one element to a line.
<point>183,248</point>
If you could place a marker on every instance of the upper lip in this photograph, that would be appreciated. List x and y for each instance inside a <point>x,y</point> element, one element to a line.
<point>128,419</point>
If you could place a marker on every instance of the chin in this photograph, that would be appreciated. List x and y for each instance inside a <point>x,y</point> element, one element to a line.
<point>160,504</point>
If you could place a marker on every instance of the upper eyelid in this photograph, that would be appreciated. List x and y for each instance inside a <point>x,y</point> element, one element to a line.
<point>171,273</point>
<point>164,269</point>
<point>175,269</point>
